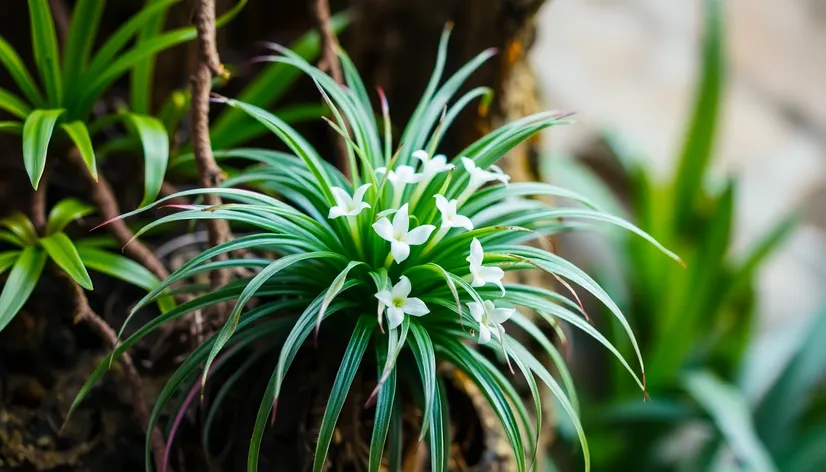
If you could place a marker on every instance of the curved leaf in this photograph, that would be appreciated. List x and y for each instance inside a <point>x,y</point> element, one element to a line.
<point>117,266</point>
<point>65,212</point>
<point>80,135</point>
<point>7,259</point>
<point>44,43</point>
<point>23,277</point>
<point>17,69</point>
<point>13,105</point>
<point>63,252</point>
<point>82,33</point>
<point>22,227</point>
<point>37,132</point>
<point>155,153</point>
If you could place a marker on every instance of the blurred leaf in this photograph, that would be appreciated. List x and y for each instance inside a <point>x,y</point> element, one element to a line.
<point>21,226</point>
<point>11,127</point>
<point>766,246</point>
<point>266,88</point>
<point>143,72</point>
<point>7,259</point>
<point>23,277</point>
<point>117,266</point>
<point>12,238</point>
<point>807,453</point>
<point>699,141</point>
<point>13,105</point>
<point>63,252</point>
<point>37,132</point>
<point>729,411</point>
<point>66,211</point>
<point>17,69</point>
<point>82,33</point>
<point>777,415</point>
<point>80,135</point>
<point>174,110</point>
<point>46,55</point>
<point>155,153</point>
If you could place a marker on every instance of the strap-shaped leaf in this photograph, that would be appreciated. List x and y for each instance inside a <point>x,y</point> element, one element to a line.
<point>730,411</point>
<point>141,74</point>
<point>7,259</point>
<point>422,348</point>
<point>66,211</point>
<point>80,135</point>
<point>63,252</point>
<point>334,290</point>
<point>341,387</point>
<point>12,104</point>
<point>23,277</point>
<point>82,33</point>
<point>384,413</point>
<point>37,132</point>
<point>117,266</point>
<point>21,226</point>
<point>12,238</point>
<point>46,55</point>
<point>155,153</point>
<point>11,127</point>
<point>17,69</point>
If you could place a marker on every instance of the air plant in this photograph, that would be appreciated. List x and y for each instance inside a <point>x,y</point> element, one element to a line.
<point>362,257</point>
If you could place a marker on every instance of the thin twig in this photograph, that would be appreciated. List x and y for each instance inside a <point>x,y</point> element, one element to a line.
<point>84,313</point>
<point>38,204</point>
<point>329,63</point>
<point>107,204</point>
<point>209,173</point>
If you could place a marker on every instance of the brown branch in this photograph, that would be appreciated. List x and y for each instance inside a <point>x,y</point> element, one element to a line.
<point>209,173</point>
<point>38,203</point>
<point>329,44</point>
<point>84,313</point>
<point>61,17</point>
<point>107,204</point>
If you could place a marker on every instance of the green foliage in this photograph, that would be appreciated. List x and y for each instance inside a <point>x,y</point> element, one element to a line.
<point>694,323</point>
<point>72,257</point>
<point>344,256</point>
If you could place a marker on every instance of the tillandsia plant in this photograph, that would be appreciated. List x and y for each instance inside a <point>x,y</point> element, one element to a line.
<point>75,78</point>
<point>32,252</point>
<point>408,255</point>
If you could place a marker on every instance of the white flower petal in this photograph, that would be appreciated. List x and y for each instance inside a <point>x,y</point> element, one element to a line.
<point>477,281</point>
<point>462,221</point>
<point>484,334</point>
<point>442,204</point>
<point>500,315</point>
<point>385,297</point>
<point>415,307</point>
<point>476,311</point>
<point>421,155</point>
<point>381,170</point>
<point>399,250</point>
<point>384,228</point>
<point>419,235</point>
<point>402,289</point>
<point>477,255</point>
<point>491,274</point>
<point>341,197</point>
<point>401,221</point>
<point>470,166</point>
<point>395,316</point>
<point>407,175</point>
<point>335,212</point>
<point>358,197</point>
<point>361,206</point>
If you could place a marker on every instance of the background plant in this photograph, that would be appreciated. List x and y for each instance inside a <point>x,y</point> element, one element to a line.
<point>445,279</point>
<point>694,325</point>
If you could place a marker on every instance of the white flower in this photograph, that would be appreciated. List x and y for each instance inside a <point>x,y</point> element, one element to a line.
<point>397,233</point>
<point>483,275</point>
<point>490,319</point>
<point>401,176</point>
<point>451,219</point>
<point>398,304</point>
<point>346,206</point>
<point>479,176</point>
<point>432,166</point>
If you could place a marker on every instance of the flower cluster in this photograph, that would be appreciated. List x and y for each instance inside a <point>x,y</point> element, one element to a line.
<point>401,237</point>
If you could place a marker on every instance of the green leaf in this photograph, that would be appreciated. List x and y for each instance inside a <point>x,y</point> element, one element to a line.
<point>142,73</point>
<point>13,105</point>
<point>11,127</point>
<point>12,238</point>
<point>65,212</point>
<point>422,348</point>
<point>23,277</point>
<point>699,140</point>
<point>17,69</point>
<point>46,55</point>
<point>439,433</point>
<point>384,413</point>
<point>7,259</point>
<point>80,135</point>
<point>63,252</point>
<point>334,290</point>
<point>37,131</point>
<point>21,226</point>
<point>729,411</point>
<point>341,387</point>
<point>117,266</point>
<point>82,33</point>
<point>780,410</point>
<point>155,153</point>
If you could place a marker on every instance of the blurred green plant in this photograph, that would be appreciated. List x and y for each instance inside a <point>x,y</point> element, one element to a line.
<point>328,256</point>
<point>73,257</point>
<point>695,324</point>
